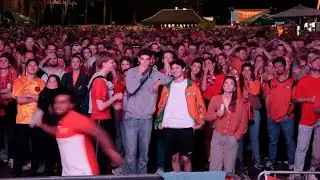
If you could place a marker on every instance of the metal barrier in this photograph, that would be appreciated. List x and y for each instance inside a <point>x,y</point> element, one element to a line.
<point>108,177</point>
<point>265,174</point>
<point>133,177</point>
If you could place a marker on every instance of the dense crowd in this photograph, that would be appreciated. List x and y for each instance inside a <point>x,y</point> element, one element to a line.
<point>83,102</point>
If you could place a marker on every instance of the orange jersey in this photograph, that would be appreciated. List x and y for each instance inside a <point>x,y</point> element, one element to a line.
<point>21,86</point>
<point>280,96</point>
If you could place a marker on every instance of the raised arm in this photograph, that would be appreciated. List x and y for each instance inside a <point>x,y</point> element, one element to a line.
<point>204,82</point>
<point>24,100</point>
<point>164,79</point>
<point>133,80</point>
<point>105,142</point>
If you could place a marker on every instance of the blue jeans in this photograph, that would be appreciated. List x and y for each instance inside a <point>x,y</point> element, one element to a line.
<point>161,150</point>
<point>118,125</point>
<point>136,135</point>
<point>254,130</point>
<point>287,126</point>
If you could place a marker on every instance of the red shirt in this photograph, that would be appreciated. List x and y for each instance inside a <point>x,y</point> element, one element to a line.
<point>6,82</point>
<point>99,91</point>
<point>214,86</point>
<point>308,87</point>
<point>119,86</point>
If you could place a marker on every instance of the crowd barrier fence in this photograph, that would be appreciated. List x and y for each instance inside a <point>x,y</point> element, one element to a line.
<point>265,174</point>
<point>132,177</point>
<point>106,177</point>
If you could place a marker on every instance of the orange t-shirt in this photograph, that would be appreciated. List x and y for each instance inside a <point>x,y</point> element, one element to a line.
<point>21,86</point>
<point>236,64</point>
<point>308,87</point>
<point>215,88</point>
<point>99,90</point>
<point>280,96</point>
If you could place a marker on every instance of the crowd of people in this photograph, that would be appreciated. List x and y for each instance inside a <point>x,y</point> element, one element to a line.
<point>86,102</point>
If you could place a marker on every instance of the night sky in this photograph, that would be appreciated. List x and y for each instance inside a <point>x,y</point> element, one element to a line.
<point>122,9</point>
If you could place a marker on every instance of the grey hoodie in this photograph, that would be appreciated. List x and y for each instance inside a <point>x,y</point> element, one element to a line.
<point>142,104</point>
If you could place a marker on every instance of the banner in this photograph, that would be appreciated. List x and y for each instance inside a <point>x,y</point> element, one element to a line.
<point>239,15</point>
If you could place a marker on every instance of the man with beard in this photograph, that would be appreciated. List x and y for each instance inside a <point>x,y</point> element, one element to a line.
<point>52,67</point>
<point>308,94</point>
<point>279,94</point>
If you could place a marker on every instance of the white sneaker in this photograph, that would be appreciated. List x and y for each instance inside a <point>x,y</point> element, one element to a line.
<point>10,163</point>
<point>42,168</point>
<point>295,177</point>
<point>117,171</point>
<point>27,166</point>
<point>159,171</point>
<point>291,167</point>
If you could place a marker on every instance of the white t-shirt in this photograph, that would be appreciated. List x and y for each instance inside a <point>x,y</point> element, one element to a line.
<point>91,61</point>
<point>59,73</point>
<point>176,114</point>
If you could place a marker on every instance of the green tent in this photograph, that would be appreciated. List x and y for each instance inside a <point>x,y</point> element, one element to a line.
<point>17,18</point>
<point>264,19</point>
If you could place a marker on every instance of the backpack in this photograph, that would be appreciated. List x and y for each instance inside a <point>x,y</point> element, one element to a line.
<point>84,105</point>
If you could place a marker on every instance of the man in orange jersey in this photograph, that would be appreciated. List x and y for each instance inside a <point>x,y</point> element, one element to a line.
<point>26,91</point>
<point>73,134</point>
<point>279,95</point>
<point>239,59</point>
